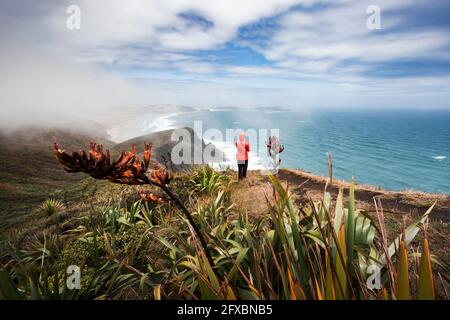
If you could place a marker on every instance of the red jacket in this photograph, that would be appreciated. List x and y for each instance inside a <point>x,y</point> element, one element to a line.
<point>243,148</point>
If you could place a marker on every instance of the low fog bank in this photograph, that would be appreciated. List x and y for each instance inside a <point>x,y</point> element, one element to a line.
<point>42,90</point>
<point>29,132</point>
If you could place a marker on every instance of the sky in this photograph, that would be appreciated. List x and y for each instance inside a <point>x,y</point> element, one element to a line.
<point>298,54</point>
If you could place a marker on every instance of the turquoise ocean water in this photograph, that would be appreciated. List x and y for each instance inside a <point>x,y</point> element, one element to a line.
<point>396,150</point>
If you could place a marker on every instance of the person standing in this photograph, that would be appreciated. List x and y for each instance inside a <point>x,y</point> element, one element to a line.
<point>243,148</point>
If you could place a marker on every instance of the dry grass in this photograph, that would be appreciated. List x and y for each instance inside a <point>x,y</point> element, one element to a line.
<point>29,174</point>
<point>251,194</point>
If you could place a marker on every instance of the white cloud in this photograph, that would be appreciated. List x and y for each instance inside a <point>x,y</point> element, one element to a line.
<point>152,34</point>
<point>40,88</point>
<point>333,35</point>
<point>158,23</point>
<point>130,50</point>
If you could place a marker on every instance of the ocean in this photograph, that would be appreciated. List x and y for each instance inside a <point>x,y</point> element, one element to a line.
<point>395,150</point>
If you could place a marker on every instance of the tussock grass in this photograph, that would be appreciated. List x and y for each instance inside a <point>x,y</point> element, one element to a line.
<point>127,249</point>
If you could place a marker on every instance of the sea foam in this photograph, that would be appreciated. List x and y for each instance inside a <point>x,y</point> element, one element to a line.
<point>141,125</point>
<point>229,150</point>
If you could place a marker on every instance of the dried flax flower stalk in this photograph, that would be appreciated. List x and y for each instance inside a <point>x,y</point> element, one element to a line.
<point>127,169</point>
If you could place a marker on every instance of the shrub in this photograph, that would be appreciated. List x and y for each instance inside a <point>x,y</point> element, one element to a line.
<point>51,207</point>
<point>320,251</point>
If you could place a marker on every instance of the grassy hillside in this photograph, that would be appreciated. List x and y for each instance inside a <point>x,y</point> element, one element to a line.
<point>163,146</point>
<point>130,249</point>
<point>29,172</point>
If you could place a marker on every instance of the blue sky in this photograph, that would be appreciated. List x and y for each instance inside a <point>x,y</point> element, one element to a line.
<point>306,54</point>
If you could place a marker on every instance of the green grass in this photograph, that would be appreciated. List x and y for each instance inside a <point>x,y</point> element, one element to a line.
<point>29,173</point>
<point>130,250</point>
<point>261,249</point>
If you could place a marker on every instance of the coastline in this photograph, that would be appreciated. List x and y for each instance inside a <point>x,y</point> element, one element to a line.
<point>160,118</point>
<point>122,131</point>
<point>365,187</point>
<point>404,202</point>
<point>229,150</point>
<point>122,123</point>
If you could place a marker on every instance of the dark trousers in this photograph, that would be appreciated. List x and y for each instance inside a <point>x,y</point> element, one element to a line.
<point>242,168</point>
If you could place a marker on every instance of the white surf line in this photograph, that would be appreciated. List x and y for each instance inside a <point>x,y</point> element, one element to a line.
<point>141,125</point>
<point>229,150</point>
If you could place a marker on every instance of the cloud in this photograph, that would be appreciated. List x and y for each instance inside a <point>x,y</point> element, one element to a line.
<point>39,88</point>
<point>296,53</point>
<point>338,34</point>
<point>170,25</point>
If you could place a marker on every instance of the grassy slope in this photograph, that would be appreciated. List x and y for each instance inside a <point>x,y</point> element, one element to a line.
<point>398,206</point>
<point>400,203</point>
<point>29,174</point>
<point>163,145</point>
